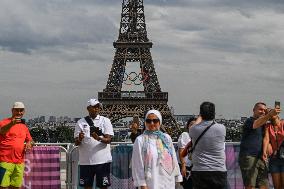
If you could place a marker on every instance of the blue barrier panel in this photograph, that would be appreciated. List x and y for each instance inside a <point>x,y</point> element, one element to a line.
<point>121,168</point>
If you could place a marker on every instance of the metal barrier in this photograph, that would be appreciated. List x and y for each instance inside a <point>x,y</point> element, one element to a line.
<point>121,171</point>
<point>64,163</point>
<point>121,179</point>
<point>73,157</point>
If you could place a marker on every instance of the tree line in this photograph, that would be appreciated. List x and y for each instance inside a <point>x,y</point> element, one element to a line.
<point>65,134</point>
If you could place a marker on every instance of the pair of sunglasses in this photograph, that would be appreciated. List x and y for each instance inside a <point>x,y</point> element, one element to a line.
<point>152,120</point>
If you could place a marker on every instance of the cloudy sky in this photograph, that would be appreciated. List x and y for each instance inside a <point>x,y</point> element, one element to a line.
<point>55,54</point>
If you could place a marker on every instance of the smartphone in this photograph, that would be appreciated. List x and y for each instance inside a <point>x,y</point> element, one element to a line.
<point>277,104</point>
<point>19,120</point>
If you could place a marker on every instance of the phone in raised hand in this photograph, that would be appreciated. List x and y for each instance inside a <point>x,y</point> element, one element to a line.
<point>277,104</point>
<point>18,120</point>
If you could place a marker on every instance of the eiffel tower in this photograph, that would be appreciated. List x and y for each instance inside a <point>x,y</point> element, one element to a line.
<point>133,46</point>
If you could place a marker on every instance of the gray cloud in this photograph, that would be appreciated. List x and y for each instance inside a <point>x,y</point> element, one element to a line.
<point>29,25</point>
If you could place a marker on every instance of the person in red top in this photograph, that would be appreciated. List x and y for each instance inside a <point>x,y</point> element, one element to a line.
<point>13,135</point>
<point>272,141</point>
<point>274,137</point>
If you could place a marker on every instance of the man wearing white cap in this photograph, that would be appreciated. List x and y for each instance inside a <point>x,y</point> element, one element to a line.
<point>93,135</point>
<point>13,135</point>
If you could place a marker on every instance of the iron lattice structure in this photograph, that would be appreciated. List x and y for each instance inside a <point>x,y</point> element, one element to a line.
<point>132,46</point>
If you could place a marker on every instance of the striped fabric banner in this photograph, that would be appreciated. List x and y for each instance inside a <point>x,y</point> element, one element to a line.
<point>42,168</point>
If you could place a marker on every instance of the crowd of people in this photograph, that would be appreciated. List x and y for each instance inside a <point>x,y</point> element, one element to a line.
<point>259,131</point>
<point>199,162</point>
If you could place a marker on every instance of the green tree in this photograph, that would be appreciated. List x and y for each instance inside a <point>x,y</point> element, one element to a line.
<point>64,134</point>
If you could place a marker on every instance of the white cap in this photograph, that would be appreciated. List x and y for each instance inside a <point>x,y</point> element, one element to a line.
<point>18,105</point>
<point>93,102</point>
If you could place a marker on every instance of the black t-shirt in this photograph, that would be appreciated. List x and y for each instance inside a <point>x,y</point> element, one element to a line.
<point>133,136</point>
<point>251,142</point>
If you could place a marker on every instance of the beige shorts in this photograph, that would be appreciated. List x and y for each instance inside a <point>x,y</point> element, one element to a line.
<point>254,171</point>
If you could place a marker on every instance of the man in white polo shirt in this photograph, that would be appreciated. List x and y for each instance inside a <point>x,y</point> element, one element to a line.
<point>93,135</point>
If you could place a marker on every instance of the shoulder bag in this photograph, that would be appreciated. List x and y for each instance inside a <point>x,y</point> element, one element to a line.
<point>93,128</point>
<point>194,145</point>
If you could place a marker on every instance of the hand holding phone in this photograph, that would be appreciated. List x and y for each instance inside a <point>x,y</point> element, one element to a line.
<point>277,104</point>
<point>18,120</point>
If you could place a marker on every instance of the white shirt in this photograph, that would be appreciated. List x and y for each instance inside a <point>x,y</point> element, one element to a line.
<point>183,139</point>
<point>160,179</point>
<point>91,151</point>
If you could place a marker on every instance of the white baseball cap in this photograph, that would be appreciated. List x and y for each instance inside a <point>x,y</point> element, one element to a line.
<point>18,105</point>
<point>93,102</point>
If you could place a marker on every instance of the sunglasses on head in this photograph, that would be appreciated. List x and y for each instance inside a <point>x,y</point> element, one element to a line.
<point>152,120</point>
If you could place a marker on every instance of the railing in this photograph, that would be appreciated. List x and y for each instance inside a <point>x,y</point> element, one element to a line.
<point>120,169</point>
<point>128,95</point>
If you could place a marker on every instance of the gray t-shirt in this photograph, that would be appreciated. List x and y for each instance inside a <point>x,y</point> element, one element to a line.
<point>209,153</point>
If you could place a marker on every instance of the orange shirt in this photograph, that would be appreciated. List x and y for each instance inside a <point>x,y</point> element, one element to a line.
<point>12,143</point>
<point>272,135</point>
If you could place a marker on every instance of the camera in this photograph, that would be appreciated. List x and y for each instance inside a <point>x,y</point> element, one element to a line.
<point>96,130</point>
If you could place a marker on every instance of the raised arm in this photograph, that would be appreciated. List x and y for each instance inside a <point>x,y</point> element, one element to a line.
<point>7,127</point>
<point>263,119</point>
<point>198,120</point>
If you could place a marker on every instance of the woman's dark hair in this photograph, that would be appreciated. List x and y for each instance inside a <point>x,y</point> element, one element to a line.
<point>189,121</point>
<point>207,111</point>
